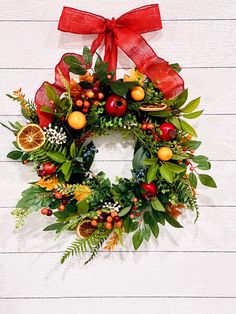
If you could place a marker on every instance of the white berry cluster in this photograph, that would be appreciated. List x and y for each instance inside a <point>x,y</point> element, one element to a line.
<point>112,206</point>
<point>55,135</point>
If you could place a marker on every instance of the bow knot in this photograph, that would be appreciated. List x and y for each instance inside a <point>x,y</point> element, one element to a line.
<point>110,24</point>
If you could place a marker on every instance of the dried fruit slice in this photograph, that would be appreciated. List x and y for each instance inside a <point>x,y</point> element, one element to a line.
<point>154,107</point>
<point>85,229</point>
<point>30,137</point>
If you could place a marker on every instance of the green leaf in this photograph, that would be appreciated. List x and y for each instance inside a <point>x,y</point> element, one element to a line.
<point>194,144</point>
<point>15,144</point>
<point>187,128</point>
<point>147,217</point>
<point>181,99</point>
<point>73,150</point>
<point>207,180</point>
<point>137,239</point>
<point>204,165</point>
<point>146,232</point>
<point>175,168</point>
<point>176,67</point>
<point>56,156</point>
<point>193,180</point>
<point>139,157</point>
<point>158,217</point>
<point>175,121</point>
<point>72,61</point>
<point>193,115</point>
<point>82,207</point>
<point>46,109</point>
<point>127,224</point>
<point>166,173</point>
<point>154,227</point>
<point>150,161</point>
<point>173,222</point>
<point>61,215</point>
<point>53,226</point>
<point>98,64</point>
<point>152,172</point>
<point>157,205</point>
<point>163,113</point>
<point>124,211</point>
<point>119,88</point>
<point>78,70</point>
<point>199,158</point>
<point>192,105</point>
<point>66,169</point>
<point>87,55</point>
<point>52,95</point>
<point>15,154</point>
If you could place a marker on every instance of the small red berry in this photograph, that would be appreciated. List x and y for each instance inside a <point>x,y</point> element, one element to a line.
<point>137,214</point>
<point>185,149</point>
<point>94,223</point>
<point>58,195</point>
<point>65,201</point>
<point>100,96</point>
<point>85,110</point>
<point>117,218</point>
<point>118,224</point>
<point>96,103</point>
<point>144,127</point>
<point>134,207</point>
<point>49,213</point>
<point>42,173</point>
<point>187,162</point>
<point>86,104</point>
<point>95,89</point>
<point>110,219</point>
<point>109,76</point>
<point>79,103</point>
<point>131,216</point>
<point>192,151</point>
<point>191,168</point>
<point>44,211</point>
<point>108,225</point>
<point>89,94</point>
<point>61,208</point>
<point>135,200</point>
<point>150,126</point>
<point>50,168</point>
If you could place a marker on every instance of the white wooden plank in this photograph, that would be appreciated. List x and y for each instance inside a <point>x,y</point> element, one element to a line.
<point>206,82</point>
<point>212,131</point>
<point>43,44</point>
<point>124,306</point>
<point>16,177</point>
<point>170,9</point>
<point>162,274</point>
<point>214,231</point>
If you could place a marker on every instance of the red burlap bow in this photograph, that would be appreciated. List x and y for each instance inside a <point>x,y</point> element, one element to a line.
<point>125,33</point>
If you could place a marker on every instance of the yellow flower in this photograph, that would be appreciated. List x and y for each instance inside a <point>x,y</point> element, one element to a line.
<point>82,192</point>
<point>49,184</point>
<point>135,76</point>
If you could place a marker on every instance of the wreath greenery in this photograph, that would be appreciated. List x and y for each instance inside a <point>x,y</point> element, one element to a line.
<point>165,168</point>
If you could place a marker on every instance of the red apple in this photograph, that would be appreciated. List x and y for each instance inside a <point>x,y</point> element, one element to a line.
<point>168,131</point>
<point>116,106</point>
<point>49,168</point>
<point>148,190</point>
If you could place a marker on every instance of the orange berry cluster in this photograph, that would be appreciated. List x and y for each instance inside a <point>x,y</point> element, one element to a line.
<point>108,220</point>
<point>85,98</point>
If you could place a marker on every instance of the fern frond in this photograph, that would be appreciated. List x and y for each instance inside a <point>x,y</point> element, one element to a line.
<point>40,154</point>
<point>95,250</point>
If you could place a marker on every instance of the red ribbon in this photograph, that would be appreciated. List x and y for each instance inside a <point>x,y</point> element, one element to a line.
<point>125,33</point>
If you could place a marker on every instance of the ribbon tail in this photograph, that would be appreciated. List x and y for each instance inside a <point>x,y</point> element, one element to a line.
<point>41,98</point>
<point>147,62</point>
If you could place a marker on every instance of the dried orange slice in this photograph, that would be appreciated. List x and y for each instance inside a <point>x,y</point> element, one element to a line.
<point>30,137</point>
<point>85,229</point>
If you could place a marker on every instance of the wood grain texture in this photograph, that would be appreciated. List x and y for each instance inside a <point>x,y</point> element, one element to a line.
<point>191,49</point>
<point>122,305</point>
<point>156,274</point>
<point>191,270</point>
<point>170,9</point>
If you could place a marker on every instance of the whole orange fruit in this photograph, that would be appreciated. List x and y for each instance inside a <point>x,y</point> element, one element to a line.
<point>165,153</point>
<point>77,120</point>
<point>137,93</point>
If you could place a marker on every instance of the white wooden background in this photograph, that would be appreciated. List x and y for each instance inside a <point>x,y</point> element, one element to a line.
<point>186,271</point>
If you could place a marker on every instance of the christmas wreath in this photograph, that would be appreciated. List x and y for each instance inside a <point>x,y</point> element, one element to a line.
<point>149,105</point>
